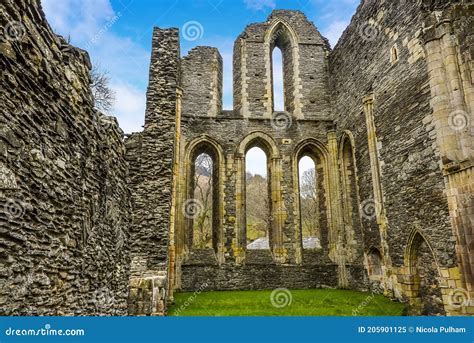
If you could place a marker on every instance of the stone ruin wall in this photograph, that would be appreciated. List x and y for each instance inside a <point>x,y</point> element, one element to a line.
<point>252,121</point>
<point>151,156</point>
<point>449,37</point>
<point>382,91</point>
<point>408,152</point>
<point>410,178</point>
<point>67,212</point>
<point>256,269</point>
<point>64,202</point>
<point>201,80</point>
<point>305,81</point>
<point>377,90</point>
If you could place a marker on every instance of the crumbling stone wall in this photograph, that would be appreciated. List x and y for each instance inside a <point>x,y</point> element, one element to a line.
<point>386,115</point>
<point>430,292</point>
<point>151,154</point>
<point>201,74</point>
<point>196,264</point>
<point>64,201</point>
<point>360,65</point>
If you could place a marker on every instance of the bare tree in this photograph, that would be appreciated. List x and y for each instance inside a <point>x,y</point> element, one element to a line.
<point>308,184</point>
<point>203,193</point>
<point>309,204</point>
<point>257,207</point>
<point>104,96</point>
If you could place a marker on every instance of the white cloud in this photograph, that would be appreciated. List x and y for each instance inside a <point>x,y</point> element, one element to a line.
<point>306,163</point>
<point>334,31</point>
<point>89,23</point>
<point>259,4</point>
<point>255,162</point>
<point>129,106</point>
<point>79,18</point>
<point>332,17</point>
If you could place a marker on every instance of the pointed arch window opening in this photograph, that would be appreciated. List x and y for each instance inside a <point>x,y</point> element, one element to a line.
<point>425,271</point>
<point>282,60</point>
<point>309,203</point>
<point>257,199</point>
<point>203,207</point>
<point>278,80</point>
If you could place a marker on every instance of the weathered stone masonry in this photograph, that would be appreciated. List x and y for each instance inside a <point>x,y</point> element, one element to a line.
<point>307,129</point>
<point>364,112</point>
<point>64,201</point>
<point>404,167</point>
<point>151,152</point>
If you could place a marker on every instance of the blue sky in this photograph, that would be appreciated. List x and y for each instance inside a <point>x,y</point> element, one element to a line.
<point>117,35</point>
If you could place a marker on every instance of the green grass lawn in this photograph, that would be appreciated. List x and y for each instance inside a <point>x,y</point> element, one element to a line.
<point>313,302</point>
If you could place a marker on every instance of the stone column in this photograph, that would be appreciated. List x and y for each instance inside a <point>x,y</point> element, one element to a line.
<point>243,106</point>
<point>378,201</point>
<point>240,239</point>
<point>174,211</point>
<point>180,246</point>
<point>336,239</point>
<point>269,89</point>
<point>278,214</point>
<point>221,249</point>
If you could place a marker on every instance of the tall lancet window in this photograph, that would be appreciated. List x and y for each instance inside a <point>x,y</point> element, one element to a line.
<point>257,199</point>
<point>282,44</point>
<point>278,87</point>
